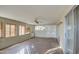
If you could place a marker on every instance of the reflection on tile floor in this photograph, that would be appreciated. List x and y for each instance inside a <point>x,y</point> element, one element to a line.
<point>32,46</point>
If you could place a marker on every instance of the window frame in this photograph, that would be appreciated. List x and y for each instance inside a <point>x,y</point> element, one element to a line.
<point>21,30</point>
<point>10,30</point>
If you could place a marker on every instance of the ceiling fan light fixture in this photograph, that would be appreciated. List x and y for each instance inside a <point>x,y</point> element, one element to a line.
<point>36,21</point>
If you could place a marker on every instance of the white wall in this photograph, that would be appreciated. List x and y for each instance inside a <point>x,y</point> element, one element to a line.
<point>60,34</point>
<point>49,31</point>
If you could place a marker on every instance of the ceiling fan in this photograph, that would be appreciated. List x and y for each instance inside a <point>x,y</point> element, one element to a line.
<point>37,20</point>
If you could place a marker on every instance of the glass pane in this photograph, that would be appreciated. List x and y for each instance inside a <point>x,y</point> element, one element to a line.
<point>20,30</point>
<point>0,29</point>
<point>7,30</point>
<point>28,30</point>
<point>13,30</point>
<point>23,30</point>
<point>39,28</point>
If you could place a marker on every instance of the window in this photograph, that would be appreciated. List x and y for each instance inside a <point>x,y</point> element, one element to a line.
<point>10,30</point>
<point>0,29</point>
<point>7,34</point>
<point>39,28</point>
<point>13,30</point>
<point>21,30</point>
<point>28,30</point>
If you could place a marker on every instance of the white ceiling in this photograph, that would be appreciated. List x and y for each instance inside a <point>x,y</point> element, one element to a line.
<point>49,14</point>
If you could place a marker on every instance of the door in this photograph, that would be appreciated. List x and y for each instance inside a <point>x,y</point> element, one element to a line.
<point>69,33</point>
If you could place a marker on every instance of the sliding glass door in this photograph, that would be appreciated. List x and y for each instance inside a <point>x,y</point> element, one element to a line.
<point>69,33</point>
